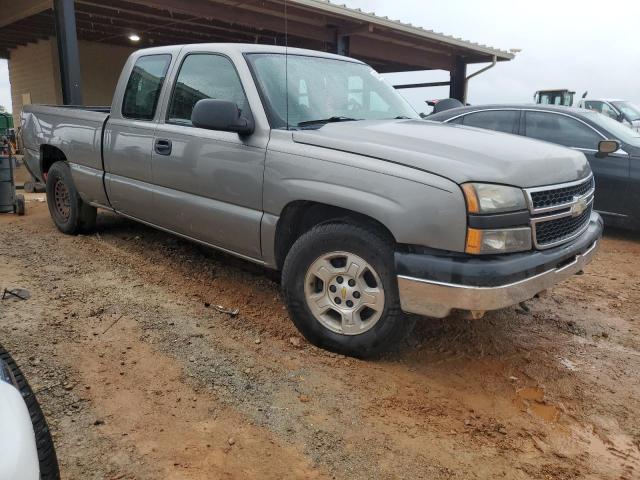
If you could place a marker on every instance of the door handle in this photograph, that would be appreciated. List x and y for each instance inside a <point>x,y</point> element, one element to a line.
<point>163,146</point>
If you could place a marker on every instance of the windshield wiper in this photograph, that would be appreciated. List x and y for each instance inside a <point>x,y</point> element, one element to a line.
<point>309,123</point>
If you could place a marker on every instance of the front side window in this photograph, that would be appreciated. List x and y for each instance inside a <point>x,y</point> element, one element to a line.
<point>332,89</point>
<point>499,120</point>
<point>204,76</point>
<point>594,105</point>
<point>601,107</point>
<point>616,130</point>
<point>144,87</point>
<point>609,111</point>
<point>560,129</point>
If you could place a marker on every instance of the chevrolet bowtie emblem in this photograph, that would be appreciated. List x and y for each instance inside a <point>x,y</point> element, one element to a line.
<point>578,207</point>
<point>344,293</point>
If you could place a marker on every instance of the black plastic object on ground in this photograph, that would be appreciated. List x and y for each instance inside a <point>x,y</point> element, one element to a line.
<point>17,293</point>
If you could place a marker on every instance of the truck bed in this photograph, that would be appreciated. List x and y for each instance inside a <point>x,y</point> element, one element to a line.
<point>77,128</point>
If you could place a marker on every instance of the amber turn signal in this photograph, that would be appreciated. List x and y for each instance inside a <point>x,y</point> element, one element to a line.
<point>473,206</point>
<point>474,241</point>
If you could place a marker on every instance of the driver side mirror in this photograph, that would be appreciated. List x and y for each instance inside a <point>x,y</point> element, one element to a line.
<point>607,147</point>
<point>221,115</point>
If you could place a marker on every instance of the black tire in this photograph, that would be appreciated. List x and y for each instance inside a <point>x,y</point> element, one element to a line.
<point>71,216</point>
<point>46,451</point>
<point>20,207</point>
<point>373,247</point>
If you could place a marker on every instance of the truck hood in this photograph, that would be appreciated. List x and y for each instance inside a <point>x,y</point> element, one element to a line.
<point>461,154</point>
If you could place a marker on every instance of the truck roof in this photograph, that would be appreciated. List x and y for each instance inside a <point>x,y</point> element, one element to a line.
<point>506,106</point>
<point>243,48</point>
<point>600,99</point>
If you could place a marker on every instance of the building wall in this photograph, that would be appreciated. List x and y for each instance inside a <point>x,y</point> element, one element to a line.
<point>34,73</point>
<point>100,67</point>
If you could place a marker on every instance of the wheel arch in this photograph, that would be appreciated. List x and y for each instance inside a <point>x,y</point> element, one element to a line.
<point>50,154</point>
<point>300,216</point>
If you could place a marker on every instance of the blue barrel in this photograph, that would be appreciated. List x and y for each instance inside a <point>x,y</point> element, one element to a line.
<point>7,190</point>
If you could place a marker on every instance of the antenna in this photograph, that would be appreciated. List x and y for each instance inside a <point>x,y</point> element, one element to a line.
<point>286,60</point>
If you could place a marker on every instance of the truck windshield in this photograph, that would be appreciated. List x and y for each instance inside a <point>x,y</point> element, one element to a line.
<point>307,92</point>
<point>631,111</point>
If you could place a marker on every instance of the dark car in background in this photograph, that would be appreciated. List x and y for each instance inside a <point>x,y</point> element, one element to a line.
<point>617,175</point>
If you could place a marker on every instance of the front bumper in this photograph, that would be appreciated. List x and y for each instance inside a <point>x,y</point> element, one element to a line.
<point>433,283</point>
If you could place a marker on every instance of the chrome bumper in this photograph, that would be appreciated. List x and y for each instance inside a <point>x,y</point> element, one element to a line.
<point>437,299</point>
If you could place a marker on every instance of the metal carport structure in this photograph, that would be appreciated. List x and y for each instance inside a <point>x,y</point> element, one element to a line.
<point>388,45</point>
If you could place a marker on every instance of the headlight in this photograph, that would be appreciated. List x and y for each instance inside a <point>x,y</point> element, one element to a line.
<point>488,198</point>
<point>503,240</point>
<point>6,375</point>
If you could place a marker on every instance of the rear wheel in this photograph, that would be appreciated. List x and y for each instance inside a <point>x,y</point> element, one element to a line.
<point>340,288</point>
<point>68,211</point>
<point>46,452</point>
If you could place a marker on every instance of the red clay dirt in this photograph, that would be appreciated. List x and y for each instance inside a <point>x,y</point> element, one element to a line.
<point>141,377</point>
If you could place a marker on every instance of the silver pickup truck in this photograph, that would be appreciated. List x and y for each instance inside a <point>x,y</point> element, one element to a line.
<point>311,164</point>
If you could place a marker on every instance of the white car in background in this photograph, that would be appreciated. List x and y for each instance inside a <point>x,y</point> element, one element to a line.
<point>26,447</point>
<point>623,111</point>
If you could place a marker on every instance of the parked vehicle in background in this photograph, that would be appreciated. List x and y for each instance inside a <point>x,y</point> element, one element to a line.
<point>310,163</point>
<point>617,174</point>
<point>621,110</point>
<point>562,97</point>
<point>26,447</point>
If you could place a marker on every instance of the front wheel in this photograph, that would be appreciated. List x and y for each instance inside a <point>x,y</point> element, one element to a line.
<point>340,288</point>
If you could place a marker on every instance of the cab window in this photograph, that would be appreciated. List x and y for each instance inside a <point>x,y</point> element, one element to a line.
<point>560,129</point>
<point>609,111</point>
<point>204,76</point>
<point>144,86</point>
<point>499,120</point>
<point>601,107</point>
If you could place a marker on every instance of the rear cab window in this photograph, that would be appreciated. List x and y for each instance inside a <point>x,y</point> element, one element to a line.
<point>144,86</point>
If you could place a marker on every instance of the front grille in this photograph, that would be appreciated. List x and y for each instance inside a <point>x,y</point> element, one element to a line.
<point>555,231</point>
<point>560,196</point>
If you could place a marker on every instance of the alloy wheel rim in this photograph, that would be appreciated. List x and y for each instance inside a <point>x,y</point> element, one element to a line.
<point>344,293</point>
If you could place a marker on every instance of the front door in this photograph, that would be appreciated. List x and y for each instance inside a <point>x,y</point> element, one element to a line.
<point>208,184</point>
<point>611,173</point>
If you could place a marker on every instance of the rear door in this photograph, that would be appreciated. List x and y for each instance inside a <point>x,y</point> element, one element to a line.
<point>208,184</point>
<point>128,137</point>
<point>611,173</point>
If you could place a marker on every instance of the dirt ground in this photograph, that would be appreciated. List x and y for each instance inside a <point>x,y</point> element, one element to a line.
<point>141,377</point>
